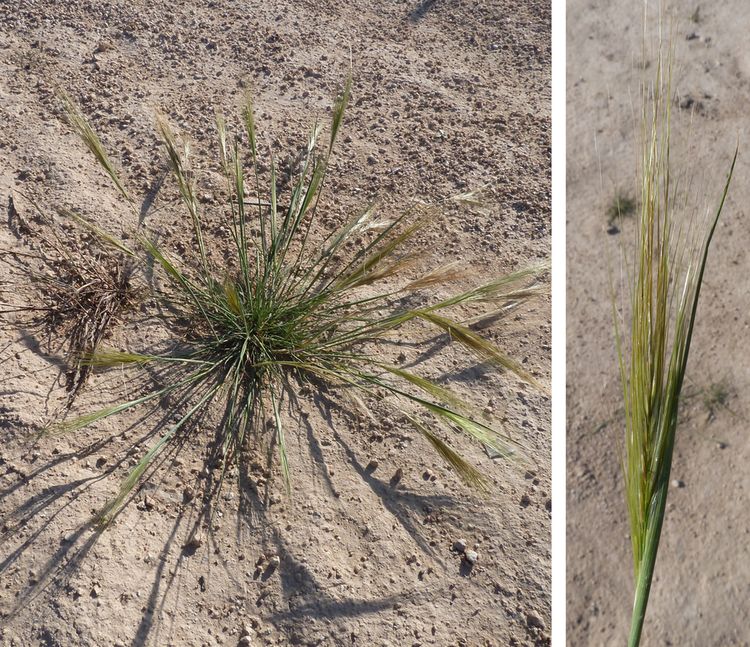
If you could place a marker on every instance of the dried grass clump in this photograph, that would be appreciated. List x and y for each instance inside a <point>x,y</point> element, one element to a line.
<point>77,291</point>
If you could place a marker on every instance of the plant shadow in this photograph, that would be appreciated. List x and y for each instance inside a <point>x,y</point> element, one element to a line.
<point>304,594</point>
<point>421,10</point>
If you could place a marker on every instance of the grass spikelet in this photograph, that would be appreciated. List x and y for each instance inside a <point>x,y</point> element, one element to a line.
<point>483,349</point>
<point>92,141</point>
<point>465,470</point>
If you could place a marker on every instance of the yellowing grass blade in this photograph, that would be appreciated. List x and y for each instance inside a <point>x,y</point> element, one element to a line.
<point>481,347</point>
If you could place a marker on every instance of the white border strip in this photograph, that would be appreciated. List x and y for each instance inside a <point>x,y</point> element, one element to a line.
<point>558,324</point>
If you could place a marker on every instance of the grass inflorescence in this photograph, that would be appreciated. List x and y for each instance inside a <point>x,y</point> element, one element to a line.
<point>287,309</point>
<point>664,286</point>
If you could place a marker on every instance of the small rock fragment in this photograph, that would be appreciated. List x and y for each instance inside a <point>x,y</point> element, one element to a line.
<point>195,542</point>
<point>460,545</point>
<point>678,483</point>
<point>533,621</point>
<point>372,466</point>
<point>471,556</point>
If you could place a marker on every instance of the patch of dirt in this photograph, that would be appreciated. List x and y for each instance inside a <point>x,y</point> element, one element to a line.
<point>701,571</point>
<point>447,96</point>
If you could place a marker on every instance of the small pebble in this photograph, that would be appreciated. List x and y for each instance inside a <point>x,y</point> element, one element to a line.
<point>471,556</point>
<point>196,541</point>
<point>460,545</point>
<point>534,621</point>
<point>245,641</point>
<point>678,484</point>
<point>372,466</point>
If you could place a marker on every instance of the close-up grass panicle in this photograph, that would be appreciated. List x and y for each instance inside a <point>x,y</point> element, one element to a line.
<point>664,282</point>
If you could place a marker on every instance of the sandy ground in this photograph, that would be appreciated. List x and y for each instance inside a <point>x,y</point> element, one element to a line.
<point>447,96</point>
<point>702,577</point>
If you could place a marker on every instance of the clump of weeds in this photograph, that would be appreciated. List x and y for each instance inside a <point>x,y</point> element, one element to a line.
<point>78,289</point>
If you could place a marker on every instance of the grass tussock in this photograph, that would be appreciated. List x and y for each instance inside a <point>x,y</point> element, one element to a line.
<point>664,286</point>
<point>292,311</point>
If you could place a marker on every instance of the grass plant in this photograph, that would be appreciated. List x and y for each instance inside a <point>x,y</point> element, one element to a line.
<point>290,307</point>
<point>664,285</point>
<point>622,206</point>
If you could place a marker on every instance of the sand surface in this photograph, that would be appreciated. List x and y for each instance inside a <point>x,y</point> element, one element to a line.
<point>447,96</point>
<point>700,591</point>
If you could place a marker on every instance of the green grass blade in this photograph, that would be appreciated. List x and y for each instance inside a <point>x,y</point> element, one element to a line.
<point>282,443</point>
<point>110,509</point>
